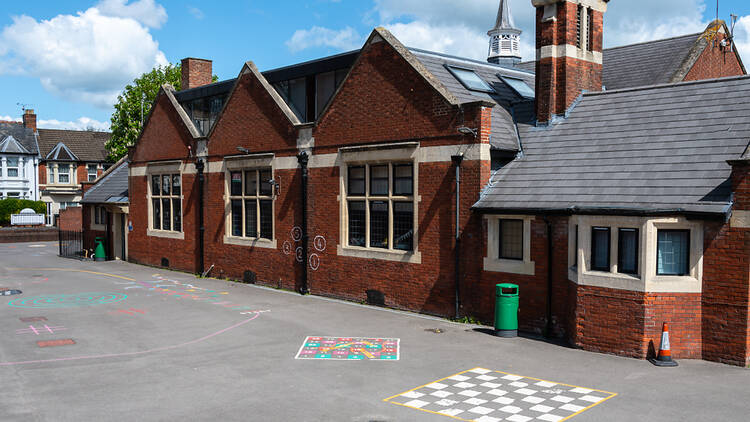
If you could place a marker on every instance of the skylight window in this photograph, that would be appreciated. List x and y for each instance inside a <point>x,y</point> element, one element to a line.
<point>470,80</point>
<point>519,86</point>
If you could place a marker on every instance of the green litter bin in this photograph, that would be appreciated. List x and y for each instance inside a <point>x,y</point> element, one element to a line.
<point>99,254</point>
<point>506,310</point>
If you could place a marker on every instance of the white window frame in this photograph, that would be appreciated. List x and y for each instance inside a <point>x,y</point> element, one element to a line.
<point>163,169</point>
<point>579,261</point>
<point>493,262</point>
<point>373,155</point>
<point>89,174</point>
<point>53,174</point>
<point>254,162</point>
<point>17,167</point>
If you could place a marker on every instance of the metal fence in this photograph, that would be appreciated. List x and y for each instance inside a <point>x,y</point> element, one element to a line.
<point>71,244</point>
<point>27,219</point>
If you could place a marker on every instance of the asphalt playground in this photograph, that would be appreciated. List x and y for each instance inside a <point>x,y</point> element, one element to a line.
<point>114,341</point>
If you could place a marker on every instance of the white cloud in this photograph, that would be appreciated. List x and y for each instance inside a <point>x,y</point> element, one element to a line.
<point>344,39</point>
<point>459,40</point>
<point>742,38</point>
<point>10,119</point>
<point>82,123</point>
<point>88,57</point>
<point>197,13</point>
<point>147,12</point>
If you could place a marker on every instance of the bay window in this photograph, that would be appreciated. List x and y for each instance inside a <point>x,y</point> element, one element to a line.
<point>627,251</point>
<point>600,237</point>
<point>673,252</point>
<point>63,174</point>
<point>11,166</point>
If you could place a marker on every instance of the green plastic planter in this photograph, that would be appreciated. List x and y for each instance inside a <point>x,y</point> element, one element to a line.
<point>99,254</point>
<point>506,310</point>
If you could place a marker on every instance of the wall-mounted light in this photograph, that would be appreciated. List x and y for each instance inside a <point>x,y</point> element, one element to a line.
<point>468,131</point>
<point>276,186</point>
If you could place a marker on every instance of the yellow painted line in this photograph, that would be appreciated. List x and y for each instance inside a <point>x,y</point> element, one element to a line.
<point>433,412</point>
<point>73,271</point>
<point>595,404</point>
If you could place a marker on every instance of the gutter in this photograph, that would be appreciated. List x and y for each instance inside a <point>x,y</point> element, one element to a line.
<point>457,160</point>
<point>303,159</point>
<point>200,166</point>
<point>706,215</point>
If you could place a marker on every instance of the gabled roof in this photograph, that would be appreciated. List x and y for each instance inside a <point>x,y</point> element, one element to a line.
<point>79,145</point>
<point>61,153</point>
<point>660,149</point>
<point>111,187</point>
<point>11,145</point>
<point>24,138</point>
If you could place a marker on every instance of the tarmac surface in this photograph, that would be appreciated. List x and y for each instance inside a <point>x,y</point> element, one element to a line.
<point>115,341</point>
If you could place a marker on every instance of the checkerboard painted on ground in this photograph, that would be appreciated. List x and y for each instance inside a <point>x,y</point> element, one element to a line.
<point>482,395</point>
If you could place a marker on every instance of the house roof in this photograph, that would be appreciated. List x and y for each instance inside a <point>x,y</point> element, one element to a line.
<point>84,145</point>
<point>645,150</point>
<point>111,187</point>
<point>16,139</point>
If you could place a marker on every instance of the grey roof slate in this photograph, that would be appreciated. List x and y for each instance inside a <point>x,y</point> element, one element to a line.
<point>648,150</point>
<point>11,145</point>
<point>85,145</point>
<point>111,187</point>
<point>25,137</point>
<point>503,135</point>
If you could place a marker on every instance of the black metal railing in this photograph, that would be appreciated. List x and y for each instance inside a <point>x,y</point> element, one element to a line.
<point>71,244</point>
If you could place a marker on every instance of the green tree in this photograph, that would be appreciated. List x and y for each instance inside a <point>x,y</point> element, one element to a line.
<point>126,119</point>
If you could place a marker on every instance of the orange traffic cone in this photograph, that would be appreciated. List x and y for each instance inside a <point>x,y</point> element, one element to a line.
<point>665,353</point>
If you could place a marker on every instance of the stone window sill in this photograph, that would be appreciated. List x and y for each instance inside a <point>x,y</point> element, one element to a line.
<point>414,257</point>
<point>510,266</point>
<point>252,243</point>
<point>166,235</point>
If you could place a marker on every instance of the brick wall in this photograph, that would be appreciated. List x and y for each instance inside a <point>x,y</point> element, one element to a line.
<point>715,62</point>
<point>71,219</point>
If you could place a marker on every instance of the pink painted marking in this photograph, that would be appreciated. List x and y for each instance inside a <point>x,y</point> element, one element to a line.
<point>48,329</point>
<point>34,329</point>
<point>144,352</point>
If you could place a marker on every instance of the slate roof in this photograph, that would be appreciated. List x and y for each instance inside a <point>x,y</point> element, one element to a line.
<point>649,63</point>
<point>25,137</point>
<point>86,145</point>
<point>10,145</point>
<point>111,187</point>
<point>503,135</point>
<point>649,150</point>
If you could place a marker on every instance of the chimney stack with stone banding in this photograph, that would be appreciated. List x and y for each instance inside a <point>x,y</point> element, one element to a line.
<point>569,38</point>
<point>196,72</point>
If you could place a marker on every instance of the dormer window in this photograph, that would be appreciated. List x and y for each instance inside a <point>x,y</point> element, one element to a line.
<point>470,80</point>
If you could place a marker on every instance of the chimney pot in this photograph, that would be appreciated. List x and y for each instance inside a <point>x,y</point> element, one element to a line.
<point>196,72</point>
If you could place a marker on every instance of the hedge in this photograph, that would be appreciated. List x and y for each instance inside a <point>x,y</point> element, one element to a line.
<point>14,206</point>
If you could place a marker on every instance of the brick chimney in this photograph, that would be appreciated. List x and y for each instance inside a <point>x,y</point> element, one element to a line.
<point>29,119</point>
<point>196,72</point>
<point>569,39</point>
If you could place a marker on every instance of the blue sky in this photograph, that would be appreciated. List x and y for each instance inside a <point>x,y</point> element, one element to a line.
<point>68,60</point>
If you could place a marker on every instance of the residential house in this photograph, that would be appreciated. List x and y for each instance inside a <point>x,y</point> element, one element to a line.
<point>105,211</point>
<point>418,180</point>
<point>19,157</point>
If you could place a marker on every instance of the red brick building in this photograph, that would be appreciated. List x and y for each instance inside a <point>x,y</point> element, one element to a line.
<point>418,180</point>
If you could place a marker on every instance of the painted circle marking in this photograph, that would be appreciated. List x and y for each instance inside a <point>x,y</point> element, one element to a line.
<point>68,301</point>
<point>320,243</point>
<point>298,252</point>
<point>287,248</point>
<point>296,234</point>
<point>314,262</point>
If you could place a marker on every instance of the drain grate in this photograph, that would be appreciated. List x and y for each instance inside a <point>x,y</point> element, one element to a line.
<point>56,343</point>
<point>435,330</point>
<point>33,319</point>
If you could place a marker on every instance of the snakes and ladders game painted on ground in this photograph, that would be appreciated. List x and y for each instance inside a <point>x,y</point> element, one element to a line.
<point>349,348</point>
<point>482,395</point>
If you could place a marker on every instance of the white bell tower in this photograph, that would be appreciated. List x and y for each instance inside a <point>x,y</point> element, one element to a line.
<point>505,38</point>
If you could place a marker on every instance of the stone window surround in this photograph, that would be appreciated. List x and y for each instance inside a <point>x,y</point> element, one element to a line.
<point>102,226</point>
<point>492,261</point>
<point>53,176</point>
<point>406,152</point>
<point>242,163</point>
<point>579,262</point>
<point>162,168</point>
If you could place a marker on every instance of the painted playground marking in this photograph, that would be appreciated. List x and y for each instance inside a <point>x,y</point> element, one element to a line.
<point>131,311</point>
<point>68,301</point>
<point>143,352</point>
<point>10,292</point>
<point>46,329</point>
<point>349,348</point>
<point>482,395</point>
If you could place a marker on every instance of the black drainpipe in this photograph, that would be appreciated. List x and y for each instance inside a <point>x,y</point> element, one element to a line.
<point>457,159</point>
<point>548,329</point>
<point>303,159</point>
<point>200,166</point>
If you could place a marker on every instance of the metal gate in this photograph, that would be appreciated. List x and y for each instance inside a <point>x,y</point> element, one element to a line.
<point>71,244</point>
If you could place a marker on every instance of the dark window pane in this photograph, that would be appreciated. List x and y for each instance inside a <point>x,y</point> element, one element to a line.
<point>166,215</point>
<point>156,204</point>
<point>266,188</point>
<point>511,239</point>
<point>600,249</point>
<point>379,180</point>
<point>356,181</point>
<point>403,179</point>
<point>357,223</point>
<point>177,212</point>
<point>251,218</point>
<point>251,183</point>
<point>97,220</point>
<point>379,224</point>
<point>266,219</point>
<point>235,187</point>
<point>236,218</point>
<point>156,185</point>
<point>176,185</point>
<point>673,252</point>
<point>166,183</point>
<point>627,251</point>
<point>403,226</point>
